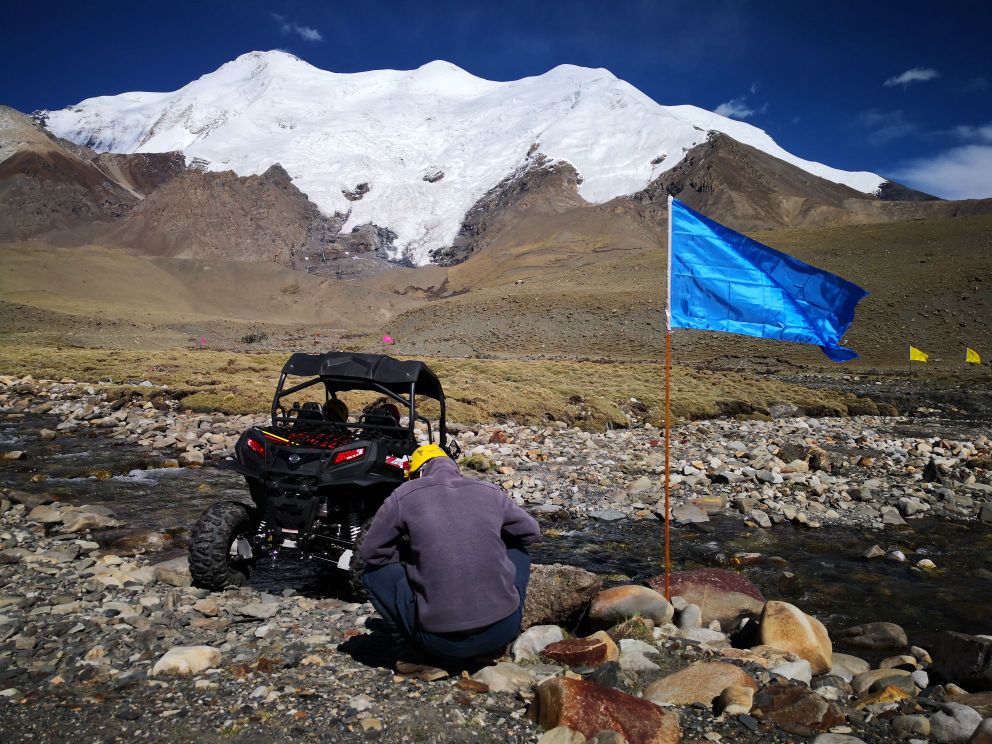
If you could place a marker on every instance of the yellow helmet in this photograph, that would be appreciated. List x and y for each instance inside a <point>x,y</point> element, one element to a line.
<point>421,455</point>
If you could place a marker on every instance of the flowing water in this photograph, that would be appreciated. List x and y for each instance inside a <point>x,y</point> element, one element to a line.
<point>819,570</point>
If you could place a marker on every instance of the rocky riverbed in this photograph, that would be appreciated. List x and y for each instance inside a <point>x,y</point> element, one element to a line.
<point>117,647</point>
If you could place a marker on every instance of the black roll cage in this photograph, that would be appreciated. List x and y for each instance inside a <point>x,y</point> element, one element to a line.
<point>333,385</point>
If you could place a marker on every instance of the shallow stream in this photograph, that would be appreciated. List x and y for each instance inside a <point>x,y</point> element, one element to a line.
<point>820,570</point>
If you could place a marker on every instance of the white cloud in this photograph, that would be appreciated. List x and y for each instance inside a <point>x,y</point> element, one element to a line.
<point>304,32</point>
<point>885,126</point>
<point>735,108</point>
<point>979,134</point>
<point>915,75</point>
<point>960,173</point>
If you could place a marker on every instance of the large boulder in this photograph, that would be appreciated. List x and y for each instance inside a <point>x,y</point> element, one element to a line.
<point>874,637</point>
<point>787,627</point>
<point>700,683</point>
<point>954,724</point>
<point>797,706</point>
<point>722,595</point>
<point>963,659</point>
<point>589,708</point>
<point>557,592</point>
<point>612,606</point>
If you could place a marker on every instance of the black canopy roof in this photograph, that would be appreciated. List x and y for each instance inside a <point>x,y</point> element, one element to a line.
<point>360,371</point>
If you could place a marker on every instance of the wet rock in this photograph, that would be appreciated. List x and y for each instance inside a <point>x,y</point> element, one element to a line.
<point>963,659</point>
<point>797,706</point>
<point>688,514</point>
<point>785,626</point>
<point>592,651</point>
<point>589,708</point>
<point>891,516</point>
<point>874,636</point>
<point>533,641</point>
<point>186,660</point>
<point>761,519</point>
<point>613,606</point>
<point>954,724</point>
<point>701,683</point>
<point>556,592</point>
<point>45,514</point>
<point>174,572</point>
<point>985,513</point>
<point>79,521</point>
<point>721,595</point>
<point>980,701</point>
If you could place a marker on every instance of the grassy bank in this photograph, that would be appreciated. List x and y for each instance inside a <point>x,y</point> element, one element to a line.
<point>586,393</point>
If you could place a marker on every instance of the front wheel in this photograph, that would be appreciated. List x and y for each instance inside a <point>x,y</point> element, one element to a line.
<point>216,555</point>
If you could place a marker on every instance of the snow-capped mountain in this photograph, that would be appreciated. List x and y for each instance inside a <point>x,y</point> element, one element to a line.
<point>412,151</point>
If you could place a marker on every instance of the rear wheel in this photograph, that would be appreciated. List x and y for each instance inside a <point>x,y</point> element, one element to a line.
<point>215,561</point>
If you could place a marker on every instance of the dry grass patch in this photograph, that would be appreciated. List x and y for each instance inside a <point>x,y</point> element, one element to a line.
<point>589,394</point>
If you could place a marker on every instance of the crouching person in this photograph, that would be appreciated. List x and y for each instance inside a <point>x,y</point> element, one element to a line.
<point>446,559</point>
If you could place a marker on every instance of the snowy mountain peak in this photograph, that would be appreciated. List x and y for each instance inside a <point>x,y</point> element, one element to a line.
<point>426,144</point>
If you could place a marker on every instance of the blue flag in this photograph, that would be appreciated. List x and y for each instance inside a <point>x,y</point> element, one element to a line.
<point>720,280</point>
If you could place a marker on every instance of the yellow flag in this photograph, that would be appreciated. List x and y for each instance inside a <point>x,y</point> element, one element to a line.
<point>971,357</point>
<point>915,355</point>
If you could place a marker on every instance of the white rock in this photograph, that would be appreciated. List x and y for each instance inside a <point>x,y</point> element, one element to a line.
<point>186,660</point>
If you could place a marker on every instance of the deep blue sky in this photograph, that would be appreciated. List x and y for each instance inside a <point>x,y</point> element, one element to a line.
<point>811,74</point>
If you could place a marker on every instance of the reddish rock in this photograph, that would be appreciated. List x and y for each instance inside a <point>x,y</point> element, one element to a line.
<point>498,437</point>
<point>796,706</point>
<point>593,651</point>
<point>589,708</point>
<point>721,595</point>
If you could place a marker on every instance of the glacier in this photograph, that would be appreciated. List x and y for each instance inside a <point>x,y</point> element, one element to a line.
<point>397,130</point>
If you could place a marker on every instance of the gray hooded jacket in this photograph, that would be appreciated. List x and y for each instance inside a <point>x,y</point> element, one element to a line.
<point>458,530</point>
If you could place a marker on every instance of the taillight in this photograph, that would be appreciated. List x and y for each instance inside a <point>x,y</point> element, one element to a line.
<point>348,455</point>
<point>257,447</point>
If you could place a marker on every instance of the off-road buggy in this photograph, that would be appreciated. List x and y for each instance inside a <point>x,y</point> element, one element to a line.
<point>316,478</point>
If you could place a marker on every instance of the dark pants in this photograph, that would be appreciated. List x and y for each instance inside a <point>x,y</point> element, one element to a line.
<point>391,595</point>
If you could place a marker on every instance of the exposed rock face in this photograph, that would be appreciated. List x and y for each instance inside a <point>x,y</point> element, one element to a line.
<point>556,592</point>
<point>224,216</point>
<point>542,185</point>
<point>589,708</point>
<point>721,595</point>
<point>787,627</point>
<point>700,683</point>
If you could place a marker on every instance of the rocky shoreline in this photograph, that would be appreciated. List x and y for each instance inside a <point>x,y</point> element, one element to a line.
<point>120,649</point>
<point>865,471</point>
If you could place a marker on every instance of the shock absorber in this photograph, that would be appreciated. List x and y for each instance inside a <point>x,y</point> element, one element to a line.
<point>354,525</point>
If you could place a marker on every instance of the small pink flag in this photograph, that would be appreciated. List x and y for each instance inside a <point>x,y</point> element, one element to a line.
<point>203,341</point>
<point>387,339</point>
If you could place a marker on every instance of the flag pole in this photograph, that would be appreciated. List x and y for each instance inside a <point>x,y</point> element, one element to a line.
<point>668,403</point>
